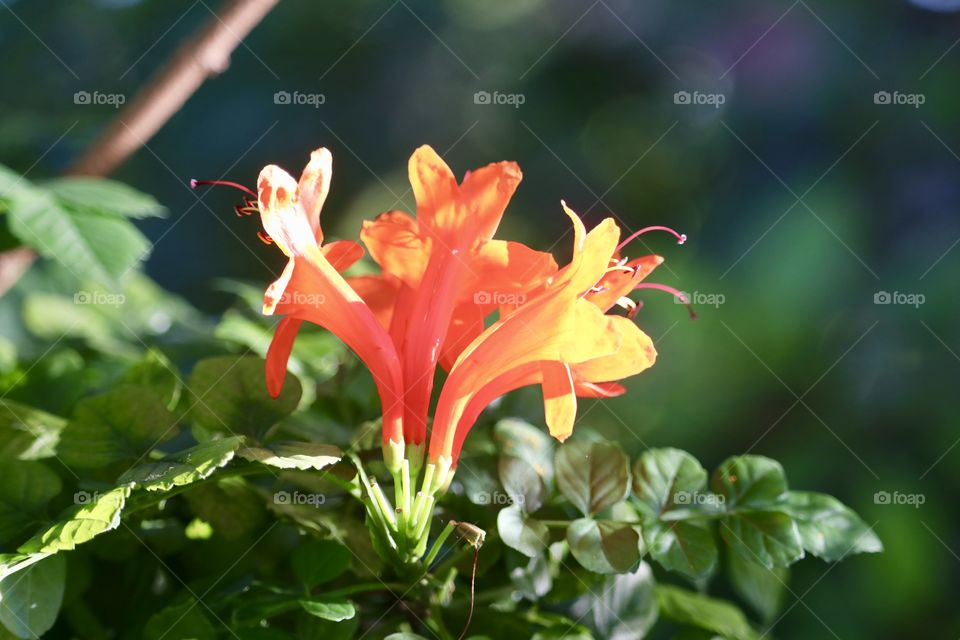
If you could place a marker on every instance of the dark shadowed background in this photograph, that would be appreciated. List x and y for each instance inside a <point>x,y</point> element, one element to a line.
<point>808,149</point>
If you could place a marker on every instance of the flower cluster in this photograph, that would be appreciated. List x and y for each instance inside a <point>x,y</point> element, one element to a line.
<point>496,315</point>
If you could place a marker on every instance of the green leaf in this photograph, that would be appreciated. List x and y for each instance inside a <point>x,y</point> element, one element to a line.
<point>665,478</point>
<point>519,439</point>
<point>686,547</point>
<point>104,196</point>
<point>522,483</point>
<point>120,425</point>
<point>320,561</point>
<point>622,607</point>
<point>99,247</point>
<point>770,538</point>
<point>156,372</point>
<point>333,610</point>
<point>185,620</point>
<point>230,394</point>
<point>404,635</point>
<point>703,612</point>
<point>760,587</point>
<point>185,468</point>
<point>828,528</point>
<point>229,505</point>
<point>294,455</point>
<point>604,547</point>
<point>95,514</point>
<point>30,601</point>
<point>749,482</point>
<point>25,489</point>
<point>27,433</point>
<point>593,475</point>
<point>526,535</point>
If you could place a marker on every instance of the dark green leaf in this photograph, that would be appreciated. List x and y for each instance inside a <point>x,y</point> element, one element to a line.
<point>95,514</point>
<point>25,489</point>
<point>604,547</point>
<point>186,621</point>
<point>751,482</point>
<point>27,433</point>
<point>760,587</point>
<point>828,528</point>
<point>185,468</point>
<point>156,372</point>
<point>687,547</point>
<point>104,196</point>
<point>333,610</point>
<point>592,475</point>
<point>30,600</point>
<point>522,483</point>
<point>664,478</point>
<point>519,439</point>
<point>293,455</point>
<point>704,612</point>
<point>526,535</point>
<point>766,537</point>
<point>121,424</point>
<point>620,608</point>
<point>320,561</point>
<point>230,394</point>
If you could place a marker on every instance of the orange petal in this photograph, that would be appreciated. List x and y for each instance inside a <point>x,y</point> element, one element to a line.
<point>636,353</point>
<point>485,194</point>
<point>279,354</point>
<point>314,186</point>
<point>559,399</point>
<point>434,187</point>
<point>395,244</point>
<point>283,218</point>
<point>379,293</point>
<point>591,253</point>
<point>465,326</point>
<point>342,254</point>
<point>508,268</point>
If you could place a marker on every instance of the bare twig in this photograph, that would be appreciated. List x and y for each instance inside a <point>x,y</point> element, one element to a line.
<point>204,55</point>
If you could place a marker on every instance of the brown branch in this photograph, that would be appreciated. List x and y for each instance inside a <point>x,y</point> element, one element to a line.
<point>204,55</point>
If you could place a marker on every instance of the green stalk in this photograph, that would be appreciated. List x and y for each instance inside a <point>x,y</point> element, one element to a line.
<point>437,544</point>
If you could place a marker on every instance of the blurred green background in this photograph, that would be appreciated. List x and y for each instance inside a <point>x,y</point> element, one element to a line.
<point>805,195</point>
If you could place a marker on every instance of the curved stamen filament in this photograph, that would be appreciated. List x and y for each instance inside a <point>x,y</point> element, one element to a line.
<point>194,183</point>
<point>681,237</point>
<point>676,293</point>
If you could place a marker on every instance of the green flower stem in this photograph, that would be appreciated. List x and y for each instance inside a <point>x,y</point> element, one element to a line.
<point>438,543</point>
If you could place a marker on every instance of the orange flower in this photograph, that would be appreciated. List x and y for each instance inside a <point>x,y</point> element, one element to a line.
<point>312,289</point>
<point>443,272</point>
<point>561,339</point>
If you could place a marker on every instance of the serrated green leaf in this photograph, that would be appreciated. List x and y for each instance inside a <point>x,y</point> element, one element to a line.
<point>828,528</point>
<point>293,455</point>
<point>229,505</point>
<point>333,610</point>
<point>622,607</point>
<point>186,620</point>
<point>320,561</point>
<point>25,489</point>
<point>768,537</point>
<point>99,247</point>
<point>194,464</point>
<point>27,433</point>
<point>230,394</point>
<point>101,195</point>
<point>592,475</point>
<point>752,482</point>
<point>94,514</point>
<point>665,478</point>
<point>697,610</point>
<point>122,424</point>
<point>686,547</point>
<point>603,546</point>
<point>760,587</point>
<point>520,439</point>
<point>522,483</point>
<point>526,535</point>
<point>156,372</point>
<point>30,600</point>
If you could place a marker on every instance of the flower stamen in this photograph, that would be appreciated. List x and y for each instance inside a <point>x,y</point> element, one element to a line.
<point>681,237</point>
<point>676,293</point>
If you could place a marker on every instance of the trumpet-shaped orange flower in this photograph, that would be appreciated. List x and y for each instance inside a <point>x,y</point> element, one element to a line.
<point>312,289</point>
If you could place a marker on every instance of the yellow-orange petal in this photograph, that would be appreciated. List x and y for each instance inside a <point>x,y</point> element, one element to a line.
<point>434,187</point>
<point>636,353</point>
<point>314,186</point>
<point>278,354</point>
<point>342,254</point>
<point>282,217</point>
<point>484,196</point>
<point>502,269</point>
<point>395,243</point>
<point>559,399</point>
